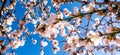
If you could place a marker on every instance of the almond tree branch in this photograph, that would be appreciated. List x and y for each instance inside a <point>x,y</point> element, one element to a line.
<point>87,2</point>
<point>99,23</point>
<point>3,5</point>
<point>83,14</point>
<point>116,32</point>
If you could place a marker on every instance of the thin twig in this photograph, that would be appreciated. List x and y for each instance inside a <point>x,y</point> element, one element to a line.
<point>3,5</point>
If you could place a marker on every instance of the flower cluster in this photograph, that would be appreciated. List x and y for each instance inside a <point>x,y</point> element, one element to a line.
<point>93,25</point>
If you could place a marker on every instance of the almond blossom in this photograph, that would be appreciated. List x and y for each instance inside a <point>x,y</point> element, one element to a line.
<point>85,9</point>
<point>42,52</point>
<point>89,46</point>
<point>95,26</point>
<point>22,42</point>
<point>52,18</point>
<point>90,34</point>
<point>45,2</point>
<point>44,44</point>
<point>9,29</point>
<point>56,4</point>
<point>10,20</point>
<point>66,12</point>
<point>16,34</point>
<point>17,43</point>
<point>109,29</point>
<point>32,0</point>
<point>56,49</point>
<point>55,43</point>
<point>97,20</point>
<point>88,8</point>
<point>117,40</point>
<point>76,10</point>
<point>34,41</point>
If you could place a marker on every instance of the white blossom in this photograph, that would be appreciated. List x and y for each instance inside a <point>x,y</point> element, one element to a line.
<point>97,20</point>
<point>66,12</point>
<point>97,41</point>
<point>117,41</point>
<point>11,7</point>
<point>95,26</point>
<point>88,8</point>
<point>52,18</point>
<point>44,44</point>
<point>83,52</point>
<point>34,21</point>
<point>45,2</point>
<point>13,53</point>
<point>55,43</point>
<point>76,10</point>
<point>56,49</point>
<point>60,15</point>
<point>85,9</point>
<point>28,16</point>
<point>41,52</point>
<point>56,4</point>
<point>109,29</point>
<point>91,34</point>
<point>89,46</point>
<point>63,32</point>
<point>10,20</point>
<point>82,43</point>
<point>32,0</point>
<point>16,44</point>
<point>22,43</point>
<point>9,29</point>
<point>34,41</point>
<point>69,40</point>
<point>91,5</point>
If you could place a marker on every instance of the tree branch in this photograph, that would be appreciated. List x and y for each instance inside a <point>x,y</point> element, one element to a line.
<point>87,2</point>
<point>116,32</point>
<point>83,14</point>
<point>3,5</point>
